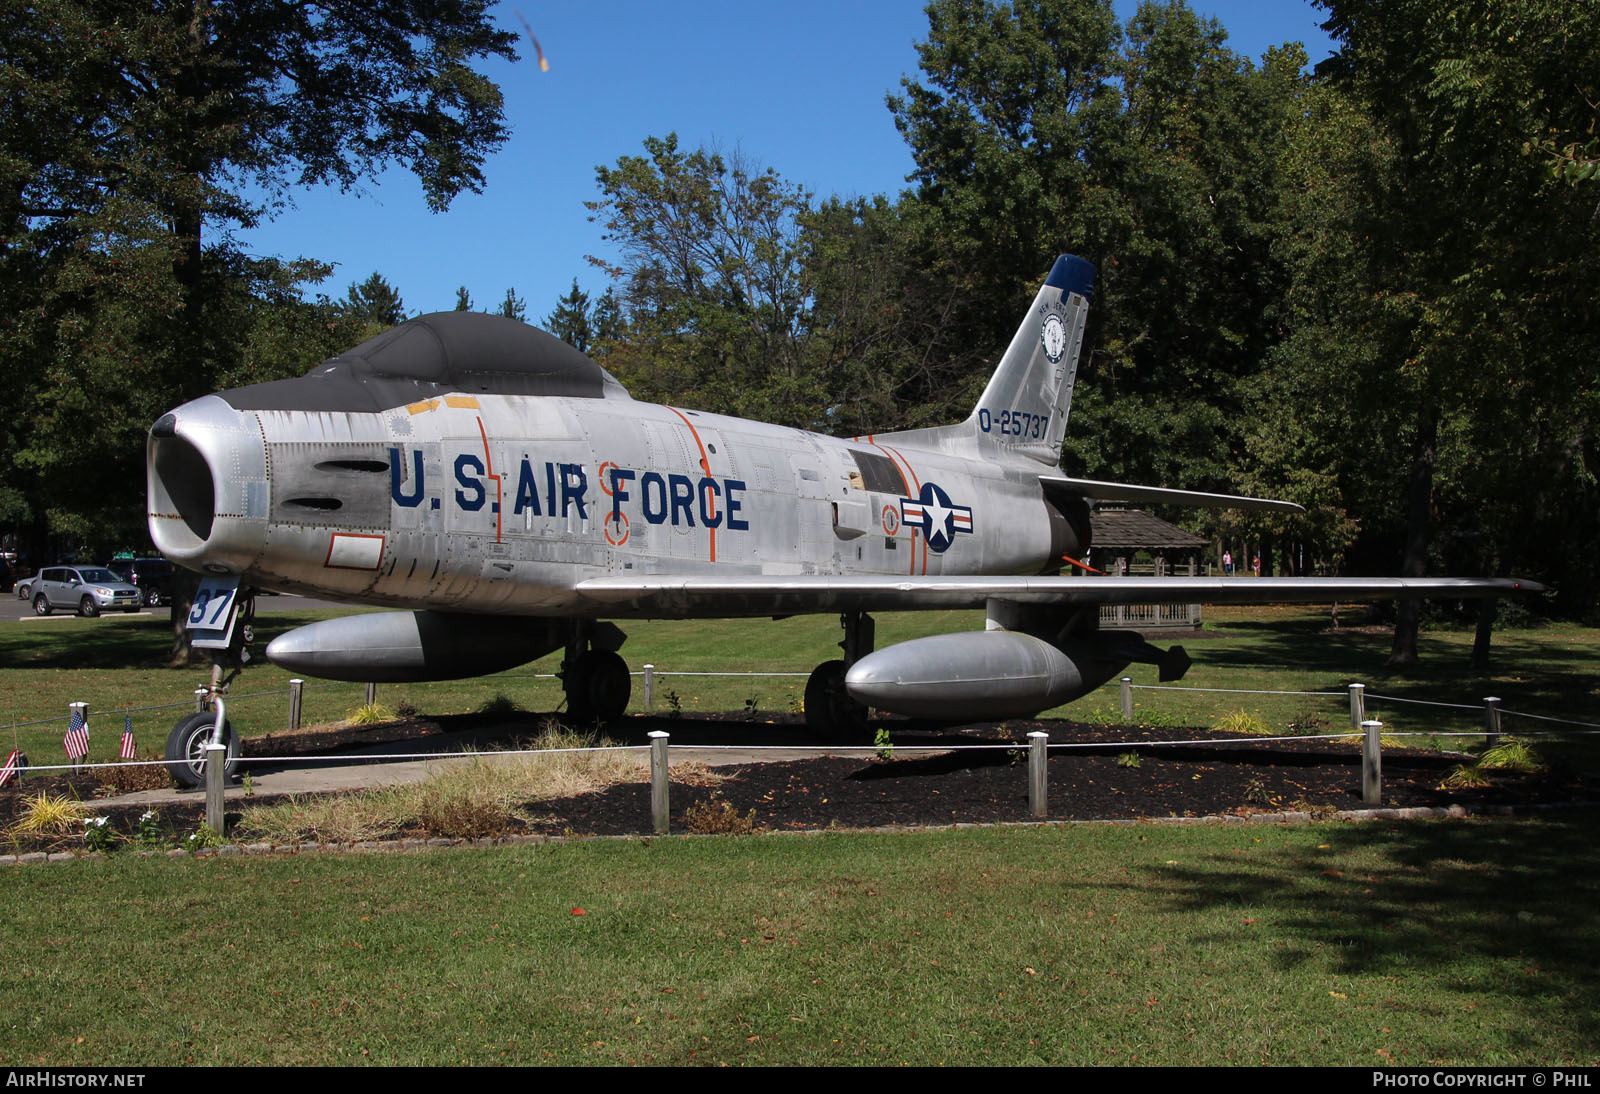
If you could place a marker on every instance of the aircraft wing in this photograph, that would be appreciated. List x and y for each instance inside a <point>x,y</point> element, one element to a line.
<point>758,594</point>
<point>1160,495</point>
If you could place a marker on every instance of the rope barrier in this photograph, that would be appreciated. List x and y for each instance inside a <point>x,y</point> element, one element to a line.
<point>1235,691</point>
<point>1548,718</point>
<point>1423,702</point>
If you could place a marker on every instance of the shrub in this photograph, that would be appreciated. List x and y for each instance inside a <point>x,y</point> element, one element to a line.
<point>126,780</point>
<point>1512,754</point>
<point>1464,777</point>
<point>883,743</point>
<point>716,816</point>
<point>501,706</point>
<point>1239,722</point>
<point>465,816</point>
<point>370,714</point>
<point>97,834</point>
<point>44,813</point>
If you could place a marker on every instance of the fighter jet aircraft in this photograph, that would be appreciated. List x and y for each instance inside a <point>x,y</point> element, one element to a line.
<point>508,497</point>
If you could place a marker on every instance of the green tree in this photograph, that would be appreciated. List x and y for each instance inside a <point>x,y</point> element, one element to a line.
<point>1042,126</point>
<point>375,302</point>
<point>710,281</point>
<point>513,306</point>
<point>570,321</point>
<point>463,299</point>
<point>128,132</point>
<point>609,325</point>
<point>1471,280</point>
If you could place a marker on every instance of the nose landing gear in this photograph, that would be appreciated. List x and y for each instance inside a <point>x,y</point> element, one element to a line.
<point>186,744</point>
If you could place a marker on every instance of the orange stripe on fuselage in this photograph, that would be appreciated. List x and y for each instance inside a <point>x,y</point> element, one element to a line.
<point>705,469</point>
<point>916,484</point>
<point>905,469</point>
<point>488,462</point>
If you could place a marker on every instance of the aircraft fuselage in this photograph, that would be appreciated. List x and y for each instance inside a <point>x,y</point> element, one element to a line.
<point>504,504</point>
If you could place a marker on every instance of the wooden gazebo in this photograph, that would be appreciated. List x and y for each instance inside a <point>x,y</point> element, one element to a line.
<point>1131,541</point>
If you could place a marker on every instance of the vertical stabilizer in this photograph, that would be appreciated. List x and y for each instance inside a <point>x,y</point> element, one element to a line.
<point>1025,406</point>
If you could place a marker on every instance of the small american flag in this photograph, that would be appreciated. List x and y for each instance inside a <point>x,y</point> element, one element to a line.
<point>14,763</point>
<point>129,751</point>
<point>76,742</point>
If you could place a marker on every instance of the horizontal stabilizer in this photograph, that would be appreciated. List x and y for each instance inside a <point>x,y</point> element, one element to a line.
<point>1160,495</point>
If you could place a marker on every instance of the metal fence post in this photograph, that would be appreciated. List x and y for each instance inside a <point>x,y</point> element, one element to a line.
<point>1038,759</point>
<point>649,687</point>
<point>1358,705</point>
<point>372,693</point>
<point>216,760</point>
<point>660,806</point>
<point>1127,698</point>
<point>297,689</point>
<point>1371,763</point>
<point>1491,718</point>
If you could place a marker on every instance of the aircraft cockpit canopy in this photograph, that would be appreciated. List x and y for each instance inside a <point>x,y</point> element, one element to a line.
<point>437,354</point>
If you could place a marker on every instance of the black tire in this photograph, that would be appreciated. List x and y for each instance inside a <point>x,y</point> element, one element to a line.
<point>185,753</point>
<point>88,607</point>
<point>598,687</point>
<point>830,712</point>
<point>41,605</point>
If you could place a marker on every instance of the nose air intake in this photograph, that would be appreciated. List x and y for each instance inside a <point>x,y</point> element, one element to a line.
<point>180,484</point>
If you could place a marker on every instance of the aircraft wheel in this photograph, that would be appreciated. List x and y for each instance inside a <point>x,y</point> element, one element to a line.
<point>41,605</point>
<point>598,686</point>
<point>830,712</point>
<point>88,607</point>
<point>186,749</point>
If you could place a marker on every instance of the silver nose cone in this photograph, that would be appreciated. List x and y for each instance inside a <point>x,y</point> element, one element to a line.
<point>206,473</point>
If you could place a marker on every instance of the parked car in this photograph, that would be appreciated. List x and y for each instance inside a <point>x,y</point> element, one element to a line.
<point>24,588</point>
<point>89,589</point>
<point>151,576</point>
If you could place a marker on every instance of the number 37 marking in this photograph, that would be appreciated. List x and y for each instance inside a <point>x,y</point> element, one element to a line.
<point>211,605</point>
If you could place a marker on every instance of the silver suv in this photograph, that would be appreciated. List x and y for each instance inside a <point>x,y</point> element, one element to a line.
<point>89,589</point>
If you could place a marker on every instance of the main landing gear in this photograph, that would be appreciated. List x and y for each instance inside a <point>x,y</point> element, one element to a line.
<point>598,684</point>
<point>830,711</point>
<point>594,675</point>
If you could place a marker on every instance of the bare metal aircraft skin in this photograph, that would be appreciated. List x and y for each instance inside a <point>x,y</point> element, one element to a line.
<point>508,495</point>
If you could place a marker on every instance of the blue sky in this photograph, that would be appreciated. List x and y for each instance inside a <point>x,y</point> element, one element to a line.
<point>796,87</point>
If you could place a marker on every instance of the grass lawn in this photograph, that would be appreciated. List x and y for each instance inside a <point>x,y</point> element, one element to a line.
<point>1347,944</point>
<point>1357,944</point>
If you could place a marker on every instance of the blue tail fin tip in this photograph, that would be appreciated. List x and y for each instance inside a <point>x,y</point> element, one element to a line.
<point>1072,274</point>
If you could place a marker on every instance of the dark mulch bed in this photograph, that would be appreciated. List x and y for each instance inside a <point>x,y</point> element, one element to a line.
<point>1199,777</point>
